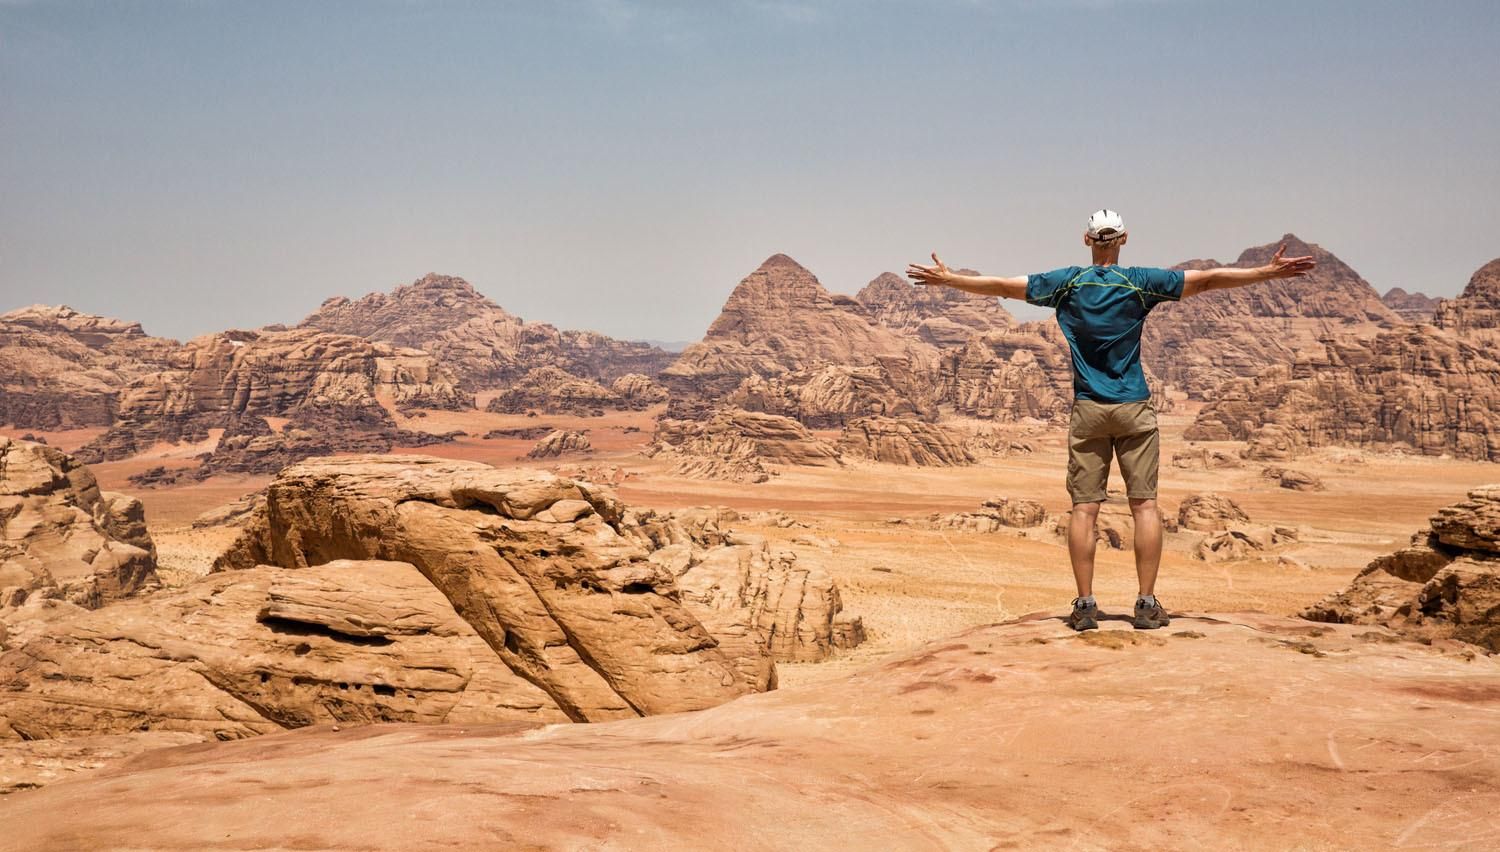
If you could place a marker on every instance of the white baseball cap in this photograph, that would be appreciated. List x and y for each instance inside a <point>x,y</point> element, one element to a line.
<point>1106,225</point>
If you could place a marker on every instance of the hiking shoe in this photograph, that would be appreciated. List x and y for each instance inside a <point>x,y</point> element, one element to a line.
<point>1084,616</point>
<point>1150,616</point>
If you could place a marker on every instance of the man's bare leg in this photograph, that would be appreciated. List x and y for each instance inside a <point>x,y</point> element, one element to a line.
<point>1081,543</point>
<point>1147,543</point>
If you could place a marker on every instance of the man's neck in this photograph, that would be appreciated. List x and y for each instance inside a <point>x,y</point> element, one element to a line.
<point>1106,257</point>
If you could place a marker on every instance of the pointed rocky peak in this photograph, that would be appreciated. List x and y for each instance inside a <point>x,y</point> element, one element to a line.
<point>1414,306</point>
<point>411,314</point>
<point>781,261</point>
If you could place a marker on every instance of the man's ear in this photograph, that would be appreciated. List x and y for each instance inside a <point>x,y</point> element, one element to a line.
<point>1087,241</point>
<point>1124,238</point>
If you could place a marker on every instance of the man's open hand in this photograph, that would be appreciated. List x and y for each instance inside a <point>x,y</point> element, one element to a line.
<point>938,274</point>
<point>1288,267</point>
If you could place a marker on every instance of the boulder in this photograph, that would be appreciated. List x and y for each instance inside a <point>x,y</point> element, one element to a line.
<point>550,390</point>
<point>735,443</point>
<point>1209,512</point>
<point>561,442</point>
<point>63,538</point>
<point>1445,584</point>
<point>1296,480</point>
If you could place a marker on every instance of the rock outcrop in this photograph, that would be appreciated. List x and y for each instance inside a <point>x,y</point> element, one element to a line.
<point>830,396</point>
<point>1199,343</point>
<point>1412,307</point>
<point>61,538</point>
<point>61,369</point>
<point>1445,584</point>
<point>637,391</point>
<point>904,441</point>
<point>736,444</point>
<point>484,345</point>
<point>215,380</point>
<point>1296,480</point>
<point>561,442</point>
<point>928,750</point>
<point>1418,388</point>
<point>1475,313</point>
<point>549,390</point>
<point>256,651</point>
<point>1209,513</point>
<point>941,316</point>
<point>778,320</point>
<point>995,514</point>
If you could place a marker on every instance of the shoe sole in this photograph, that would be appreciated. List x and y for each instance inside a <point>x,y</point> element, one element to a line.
<point>1150,624</point>
<point>1085,624</point>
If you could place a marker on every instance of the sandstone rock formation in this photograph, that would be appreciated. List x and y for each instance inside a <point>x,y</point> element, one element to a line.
<point>1202,458</point>
<point>256,651</point>
<point>549,390</point>
<point>830,396</point>
<point>1242,541</point>
<point>736,444</point>
<point>560,442</point>
<point>215,380</point>
<point>1016,513</point>
<point>637,391</point>
<point>1296,480</point>
<point>1199,343</point>
<point>61,538</point>
<point>1475,313</point>
<point>778,320</point>
<point>925,751</point>
<point>904,441</point>
<point>1419,388</point>
<point>1412,307</point>
<point>61,369</point>
<point>484,345</point>
<point>1012,374</point>
<point>941,316</point>
<point>1209,513</point>
<point>1445,584</point>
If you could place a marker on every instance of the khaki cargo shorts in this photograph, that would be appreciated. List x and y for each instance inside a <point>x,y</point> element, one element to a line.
<point>1099,430</point>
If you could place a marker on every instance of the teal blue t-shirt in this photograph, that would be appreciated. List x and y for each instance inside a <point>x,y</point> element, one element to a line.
<point>1101,310</point>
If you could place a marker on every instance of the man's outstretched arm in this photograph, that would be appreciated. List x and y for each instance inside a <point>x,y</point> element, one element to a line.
<point>1196,281</point>
<point>985,285</point>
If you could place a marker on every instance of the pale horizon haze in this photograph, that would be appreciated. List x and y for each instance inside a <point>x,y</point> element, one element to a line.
<point>619,165</point>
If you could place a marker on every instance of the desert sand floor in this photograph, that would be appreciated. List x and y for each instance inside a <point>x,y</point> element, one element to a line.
<point>913,583</point>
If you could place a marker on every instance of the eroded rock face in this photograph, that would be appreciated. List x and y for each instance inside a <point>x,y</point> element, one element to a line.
<point>1419,388</point>
<point>560,442</point>
<point>1412,307</point>
<point>1199,343</point>
<point>218,379</point>
<point>62,369</point>
<point>905,441</point>
<point>942,316</point>
<point>549,390</point>
<point>1209,513</point>
<point>994,514</point>
<point>830,396</point>
<point>542,567</point>
<point>637,391</point>
<point>484,345</point>
<point>780,319</point>
<point>61,538</point>
<point>1296,480</point>
<point>733,443</point>
<point>1445,584</point>
<point>255,651</point>
<point>1475,313</point>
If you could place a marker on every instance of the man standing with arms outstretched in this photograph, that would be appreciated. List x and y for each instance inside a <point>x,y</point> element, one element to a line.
<point>1101,309</point>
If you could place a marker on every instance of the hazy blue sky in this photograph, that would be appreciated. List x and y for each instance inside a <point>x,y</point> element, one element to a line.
<point>620,164</point>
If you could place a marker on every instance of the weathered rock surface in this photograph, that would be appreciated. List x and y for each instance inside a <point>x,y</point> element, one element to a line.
<point>61,369</point>
<point>1296,480</point>
<point>560,442</point>
<point>931,750</point>
<point>483,344</point>
<point>1412,307</point>
<point>544,568</point>
<point>780,319</point>
<point>1418,388</point>
<point>830,396</point>
<point>941,316</point>
<point>1242,541</point>
<point>1199,343</point>
<point>216,380</point>
<point>905,441</point>
<point>738,444</point>
<point>251,652</point>
<point>1445,584</point>
<point>549,390</point>
<point>637,391</point>
<point>1011,374</point>
<point>63,538</point>
<point>1475,313</point>
<point>1203,458</point>
<point>1209,513</point>
<point>994,514</point>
